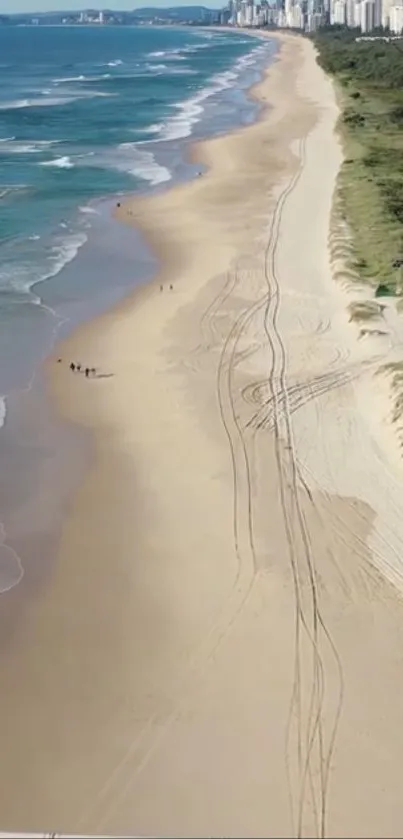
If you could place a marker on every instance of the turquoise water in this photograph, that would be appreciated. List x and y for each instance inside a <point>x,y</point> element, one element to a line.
<point>86,113</point>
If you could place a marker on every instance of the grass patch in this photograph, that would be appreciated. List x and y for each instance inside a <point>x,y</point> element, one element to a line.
<point>395,370</point>
<point>364,310</point>
<point>369,78</point>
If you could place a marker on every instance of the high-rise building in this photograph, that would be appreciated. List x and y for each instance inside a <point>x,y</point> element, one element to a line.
<point>338,12</point>
<point>311,14</point>
<point>367,14</point>
<point>314,21</point>
<point>297,17</point>
<point>396,19</point>
<point>288,5</point>
<point>351,13</point>
<point>385,16</point>
<point>357,15</point>
<point>377,13</point>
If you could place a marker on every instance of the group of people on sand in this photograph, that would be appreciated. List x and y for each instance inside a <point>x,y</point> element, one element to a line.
<point>77,368</point>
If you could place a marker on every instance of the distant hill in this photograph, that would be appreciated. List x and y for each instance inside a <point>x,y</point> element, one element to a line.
<point>174,12</point>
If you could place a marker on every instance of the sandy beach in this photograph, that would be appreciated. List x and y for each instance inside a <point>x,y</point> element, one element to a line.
<point>218,649</point>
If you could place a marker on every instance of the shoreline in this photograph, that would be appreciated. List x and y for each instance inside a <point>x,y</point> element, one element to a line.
<point>70,308</point>
<point>197,154</point>
<point>215,631</point>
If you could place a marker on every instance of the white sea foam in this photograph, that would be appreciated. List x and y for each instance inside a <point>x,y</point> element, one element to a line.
<point>69,79</point>
<point>195,47</point>
<point>181,71</point>
<point>142,164</point>
<point>93,94</point>
<point>22,276</point>
<point>156,128</point>
<point>160,69</point>
<point>47,142</point>
<point>156,66</point>
<point>33,238</point>
<point>89,211</point>
<point>21,148</point>
<point>115,63</point>
<point>64,252</point>
<point>60,162</point>
<point>179,126</point>
<point>169,55</point>
<point>66,162</point>
<point>3,411</point>
<point>47,102</point>
<point>11,569</point>
<point>149,170</point>
<point>13,189</point>
<point>13,146</point>
<point>190,111</point>
<point>50,101</point>
<point>150,129</point>
<point>73,79</point>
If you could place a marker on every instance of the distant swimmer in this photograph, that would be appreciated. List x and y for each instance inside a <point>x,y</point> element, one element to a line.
<point>87,372</point>
<point>72,366</point>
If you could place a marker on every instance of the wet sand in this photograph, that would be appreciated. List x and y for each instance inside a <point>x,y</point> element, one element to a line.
<point>217,651</point>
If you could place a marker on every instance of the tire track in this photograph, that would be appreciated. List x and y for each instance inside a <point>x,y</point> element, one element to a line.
<point>212,309</point>
<point>245,574</point>
<point>298,394</point>
<point>243,582</point>
<point>234,335</point>
<point>294,519</point>
<point>224,382</point>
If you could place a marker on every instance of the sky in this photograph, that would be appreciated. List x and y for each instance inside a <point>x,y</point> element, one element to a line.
<point>8,6</point>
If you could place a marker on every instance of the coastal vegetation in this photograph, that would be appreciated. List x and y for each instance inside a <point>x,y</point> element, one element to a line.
<point>369,79</point>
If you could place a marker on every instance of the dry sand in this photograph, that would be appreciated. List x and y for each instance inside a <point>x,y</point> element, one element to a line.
<point>219,651</point>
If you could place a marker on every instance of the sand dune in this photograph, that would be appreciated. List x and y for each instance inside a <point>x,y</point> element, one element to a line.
<point>218,651</point>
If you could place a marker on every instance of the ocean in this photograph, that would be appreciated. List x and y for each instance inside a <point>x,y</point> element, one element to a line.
<point>88,114</point>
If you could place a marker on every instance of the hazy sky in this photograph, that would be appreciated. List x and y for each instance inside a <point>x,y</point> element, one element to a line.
<point>67,5</point>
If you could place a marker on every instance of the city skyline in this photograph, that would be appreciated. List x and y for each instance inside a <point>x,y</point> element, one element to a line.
<point>310,15</point>
<point>305,15</point>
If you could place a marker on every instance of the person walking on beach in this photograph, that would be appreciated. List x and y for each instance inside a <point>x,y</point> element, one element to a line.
<point>161,287</point>
<point>93,371</point>
<point>72,366</point>
<point>87,372</point>
<point>171,287</point>
<point>78,368</point>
